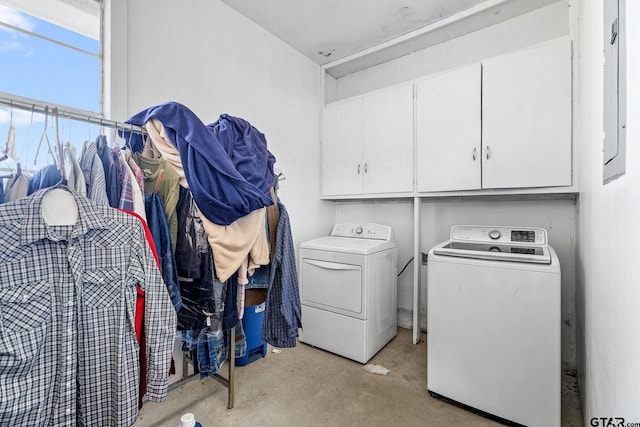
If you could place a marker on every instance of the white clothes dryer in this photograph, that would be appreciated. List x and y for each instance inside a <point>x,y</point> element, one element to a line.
<point>348,290</point>
<point>493,323</point>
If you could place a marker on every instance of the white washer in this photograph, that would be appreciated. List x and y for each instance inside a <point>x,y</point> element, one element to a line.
<point>493,323</point>
<point>348,284</point>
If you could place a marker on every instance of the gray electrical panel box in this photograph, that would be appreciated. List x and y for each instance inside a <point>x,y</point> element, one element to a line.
<point>615,89</point>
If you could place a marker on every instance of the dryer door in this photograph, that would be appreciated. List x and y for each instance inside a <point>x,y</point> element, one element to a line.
<point>333,286</point>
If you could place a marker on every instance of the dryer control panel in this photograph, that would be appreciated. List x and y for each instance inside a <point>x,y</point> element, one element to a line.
<point>362,230</point>
<point>499,234</point>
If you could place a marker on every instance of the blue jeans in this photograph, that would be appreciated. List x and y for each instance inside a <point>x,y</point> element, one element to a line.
<point>210,349</point>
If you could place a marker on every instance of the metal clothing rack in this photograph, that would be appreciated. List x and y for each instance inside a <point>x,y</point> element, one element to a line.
<point>35,106</point>
<point>71,113</point>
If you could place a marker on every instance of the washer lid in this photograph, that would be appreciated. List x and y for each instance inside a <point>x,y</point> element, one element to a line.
<point>348,245</point>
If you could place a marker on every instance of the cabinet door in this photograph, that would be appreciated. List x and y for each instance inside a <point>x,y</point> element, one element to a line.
<point>388,141</point>
<point>526,117</point>
<point>342,168</point>
<point>448,130</point>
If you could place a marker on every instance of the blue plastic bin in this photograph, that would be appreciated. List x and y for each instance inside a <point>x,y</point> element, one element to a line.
<point>252,325</point>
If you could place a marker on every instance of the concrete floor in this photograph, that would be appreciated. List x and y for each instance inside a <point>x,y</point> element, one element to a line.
<point>306,386</point>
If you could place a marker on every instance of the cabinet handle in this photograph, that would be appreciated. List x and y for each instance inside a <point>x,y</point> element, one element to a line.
<point>358,168</point>
<point>365,168</point>
<point>488,151</point>
<point>475,152</point>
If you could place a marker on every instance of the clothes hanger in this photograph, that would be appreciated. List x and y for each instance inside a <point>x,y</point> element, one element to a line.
<point>69,129</point>
<point>10,146</point>
<point>113,136</point>
<point>10,149</point>
<point>128,142</point>
<point>59,150</point>
<point>44,136</point>
<point>26,142</point>
<point>10,139</point>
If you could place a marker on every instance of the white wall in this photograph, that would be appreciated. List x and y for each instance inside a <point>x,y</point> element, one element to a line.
<point>608,271</point>
<point>213,60</point>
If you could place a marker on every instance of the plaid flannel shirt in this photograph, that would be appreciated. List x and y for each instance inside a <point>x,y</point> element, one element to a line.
<point>68,348</point>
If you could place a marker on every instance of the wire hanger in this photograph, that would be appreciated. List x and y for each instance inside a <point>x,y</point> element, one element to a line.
<point>59,149</point>
<point>44,136</point>
<point>10,146</point>
<point>113,135</point>
<point>26,142</point>
<point>128,141</point>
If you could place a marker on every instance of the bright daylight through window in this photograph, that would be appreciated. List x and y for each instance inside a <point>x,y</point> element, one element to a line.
<point>51,65</point>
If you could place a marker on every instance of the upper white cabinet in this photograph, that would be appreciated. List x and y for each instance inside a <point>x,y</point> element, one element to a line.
<point>526,117</point>
<point>505,123</point>
<point>388,141</point>
<point>367,145</point>
<point>448,130</point>
<point>342,148</point>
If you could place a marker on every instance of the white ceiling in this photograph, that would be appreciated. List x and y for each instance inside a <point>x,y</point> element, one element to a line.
<point>342,35</point>
<point>356,34</point>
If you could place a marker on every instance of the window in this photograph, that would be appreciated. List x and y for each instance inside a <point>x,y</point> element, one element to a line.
<point>615,89</point>
<point>48,64</point>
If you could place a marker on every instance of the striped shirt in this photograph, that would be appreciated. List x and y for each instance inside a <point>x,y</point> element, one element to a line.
<point>68,348</point>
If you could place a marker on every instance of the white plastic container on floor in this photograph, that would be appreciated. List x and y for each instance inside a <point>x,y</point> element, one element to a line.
<point>189,420</point>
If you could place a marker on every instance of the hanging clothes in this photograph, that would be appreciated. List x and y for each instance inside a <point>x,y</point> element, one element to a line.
<point>200,318</point>
<point>69,354</point>
<point>191,241</point>
<point>46,177</point>
<point>1,190</point>
<point>157,223</point>
<point>112,180</point>
<point>17,187</point>
<point>137,184</point>
<point>126,189</point>
<point>137,172</point>
<point>168,187</point>
<point>229,169</point>
<point>93,172</point>
<point>282,315</point>
<point>238,247</point>
<point>139,318</point>
<point>75,177</point>
<point>202,299</point>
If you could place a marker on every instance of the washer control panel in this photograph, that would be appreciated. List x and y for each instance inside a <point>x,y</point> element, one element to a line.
<point>500,234</point>
<point>362,230</point>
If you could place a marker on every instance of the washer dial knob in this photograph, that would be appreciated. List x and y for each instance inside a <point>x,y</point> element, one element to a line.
<point>494,234</point>
<point>358,230</point>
